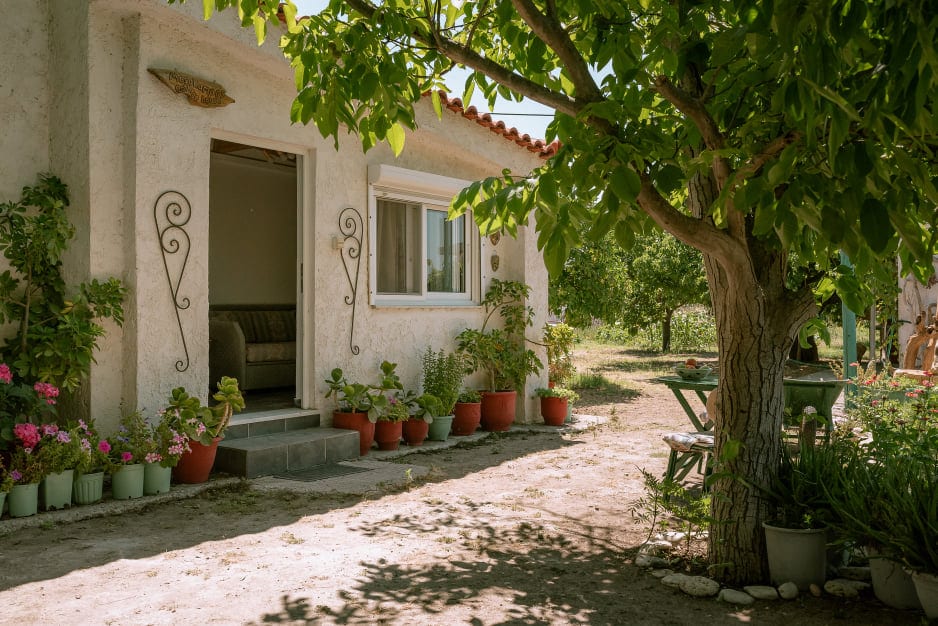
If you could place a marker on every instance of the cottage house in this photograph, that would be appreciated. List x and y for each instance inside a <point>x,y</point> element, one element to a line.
<point>189,183</point>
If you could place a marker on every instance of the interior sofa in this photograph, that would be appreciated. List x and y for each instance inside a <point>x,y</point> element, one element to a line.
<point>254,343</point>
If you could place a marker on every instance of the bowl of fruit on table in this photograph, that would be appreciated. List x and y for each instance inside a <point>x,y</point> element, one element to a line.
<point>690,370</point>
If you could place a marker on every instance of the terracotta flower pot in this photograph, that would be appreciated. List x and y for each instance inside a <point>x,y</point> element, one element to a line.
<point>467,418</point>
<point>415,431</point>
<point>195,465</point>
<point>554,411</point>
<point>498,410</point>
<point>356,421</point>
<point>388,434</point>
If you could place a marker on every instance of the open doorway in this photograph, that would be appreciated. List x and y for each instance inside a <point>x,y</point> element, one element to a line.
<point>253,283</point>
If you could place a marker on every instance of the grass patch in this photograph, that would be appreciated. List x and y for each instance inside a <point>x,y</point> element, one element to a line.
<point>588,380</point>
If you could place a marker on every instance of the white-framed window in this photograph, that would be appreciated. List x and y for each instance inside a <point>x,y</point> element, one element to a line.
<point>418,256</point>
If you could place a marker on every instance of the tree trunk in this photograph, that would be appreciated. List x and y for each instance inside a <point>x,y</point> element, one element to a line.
<point>747,409</point>
<point>666,331</point>
<point>756,321</point>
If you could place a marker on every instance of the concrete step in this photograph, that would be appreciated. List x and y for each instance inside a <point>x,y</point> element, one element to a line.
<point>265,455</point>
<point>260,423</point>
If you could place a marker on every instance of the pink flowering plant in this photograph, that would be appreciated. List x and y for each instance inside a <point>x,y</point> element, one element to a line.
<point>92,450</point>
<point>58,448</point>
<point>166,444</point>
<point>22,402</point>
<point>25,465</point>
<point>131,443</point>
<point>895,414</point>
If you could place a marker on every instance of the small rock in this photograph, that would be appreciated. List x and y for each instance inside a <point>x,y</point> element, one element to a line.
<point>733,596</point>
<point>661,573</point>
<point>675,537</point>
<point>647,560</point>
<point>815,590</point>
<point>844,588</point>
<point>788,591</point>
<point>699,586</point>
<point>763,592</point>
<point>851,572</point>
<point>673,580</point>
<point>656,547</point>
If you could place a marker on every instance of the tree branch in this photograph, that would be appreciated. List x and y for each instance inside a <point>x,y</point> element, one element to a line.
<point>498,73</point>
<point>698,233</point>
<point>768,153</point>
<point>551,32</point>
<point>515,82</point>
<point>694,109</point>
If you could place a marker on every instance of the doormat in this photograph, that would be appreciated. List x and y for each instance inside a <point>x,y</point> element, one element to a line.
<point>321,472</point>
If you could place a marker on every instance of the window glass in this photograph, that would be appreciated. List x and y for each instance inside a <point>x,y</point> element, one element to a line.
<point>398,247</point>
<point>446,253</point>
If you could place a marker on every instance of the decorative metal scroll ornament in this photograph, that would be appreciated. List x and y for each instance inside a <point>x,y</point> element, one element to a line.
<point>351,226</point>
<point>171,213</point>
<point>198,91</point>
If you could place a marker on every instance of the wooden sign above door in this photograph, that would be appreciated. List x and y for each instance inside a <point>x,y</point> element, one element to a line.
<point>198,91</point>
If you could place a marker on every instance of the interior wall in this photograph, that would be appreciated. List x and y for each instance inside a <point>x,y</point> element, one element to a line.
<point>252,232</point>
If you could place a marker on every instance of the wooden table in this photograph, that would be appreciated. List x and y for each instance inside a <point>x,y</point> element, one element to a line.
<point>701,389</point>
<point>821,394</point>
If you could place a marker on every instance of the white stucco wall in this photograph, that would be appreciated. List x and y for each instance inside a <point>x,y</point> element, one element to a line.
<point>131,139</point>
<point>24,95</point>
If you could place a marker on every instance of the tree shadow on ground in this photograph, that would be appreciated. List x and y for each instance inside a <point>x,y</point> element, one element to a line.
<point>556,571</point>
<point>54,550</point>
<point>535,571</point>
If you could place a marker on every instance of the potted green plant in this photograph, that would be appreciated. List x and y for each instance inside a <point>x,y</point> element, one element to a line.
<point>389,427</point>
<point>425,409</point>
<point>554,403</point>
<point>467,413</point>
<point>796,538</point>
<point>203,426</point>
<point>861,495</point>
<point>884,496</point>
<point>88,484</point>
<point>128,448</point>
<point>164,446</point>
<point>25,470</point>
<point>358,406</point>
<point>501,353</point>
<point>443,373</point>
<point>58,452</point>
<point>559,341</point>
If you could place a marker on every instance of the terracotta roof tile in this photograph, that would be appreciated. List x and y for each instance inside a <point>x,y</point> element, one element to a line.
<point>537,146</point>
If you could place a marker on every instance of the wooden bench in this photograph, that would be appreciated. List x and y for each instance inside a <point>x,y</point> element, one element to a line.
<point>687,451</point>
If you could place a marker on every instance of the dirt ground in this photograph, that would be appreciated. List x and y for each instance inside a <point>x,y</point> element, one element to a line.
<point>522,529</point>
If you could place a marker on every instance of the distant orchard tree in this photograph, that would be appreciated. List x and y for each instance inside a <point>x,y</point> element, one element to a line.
<point>633,288</point>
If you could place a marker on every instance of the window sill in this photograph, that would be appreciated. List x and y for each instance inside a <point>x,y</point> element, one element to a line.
<point>436,305</point>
